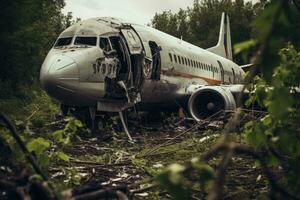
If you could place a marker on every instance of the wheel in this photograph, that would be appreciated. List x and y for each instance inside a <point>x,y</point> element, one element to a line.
<point>99,123</point>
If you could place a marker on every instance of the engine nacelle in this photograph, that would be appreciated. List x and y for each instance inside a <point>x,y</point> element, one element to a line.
<point>209,100</point>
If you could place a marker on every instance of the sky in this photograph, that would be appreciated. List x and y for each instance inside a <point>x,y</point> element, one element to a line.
<point>140,11</point>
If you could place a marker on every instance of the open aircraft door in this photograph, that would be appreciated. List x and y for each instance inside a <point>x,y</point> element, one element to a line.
<point>134,43</point>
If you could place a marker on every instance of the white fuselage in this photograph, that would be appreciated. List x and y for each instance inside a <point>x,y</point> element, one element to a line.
<point>184,65</point>
<point>77,74</point>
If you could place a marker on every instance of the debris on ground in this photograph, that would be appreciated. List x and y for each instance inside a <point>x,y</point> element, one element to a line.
<point>112,167</point>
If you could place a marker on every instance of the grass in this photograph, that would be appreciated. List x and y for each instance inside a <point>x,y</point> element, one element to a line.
<point>113,159</point>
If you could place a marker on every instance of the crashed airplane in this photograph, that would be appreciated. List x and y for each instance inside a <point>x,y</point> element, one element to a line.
<point>107,65</point>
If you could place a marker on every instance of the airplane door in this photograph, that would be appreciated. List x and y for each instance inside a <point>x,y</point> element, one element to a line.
<point>156,60</point>
<point>133,41</point>
<point>221,71</point>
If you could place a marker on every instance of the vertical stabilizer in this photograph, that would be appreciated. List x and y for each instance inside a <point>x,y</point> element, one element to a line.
<point>228,43</point>
<point>223,47</point>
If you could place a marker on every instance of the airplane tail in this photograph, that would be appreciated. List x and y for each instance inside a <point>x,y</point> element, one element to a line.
<point>223,48</point>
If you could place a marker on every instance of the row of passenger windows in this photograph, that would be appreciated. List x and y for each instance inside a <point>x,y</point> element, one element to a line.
<point>192,63</point>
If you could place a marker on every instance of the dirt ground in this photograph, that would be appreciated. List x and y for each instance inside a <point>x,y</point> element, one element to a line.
<point>109,159</point>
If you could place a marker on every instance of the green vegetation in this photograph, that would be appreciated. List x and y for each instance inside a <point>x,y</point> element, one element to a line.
<point>267,33</point>
<point>274,139</point>
<point>28,30</point>
<point>200,24</point>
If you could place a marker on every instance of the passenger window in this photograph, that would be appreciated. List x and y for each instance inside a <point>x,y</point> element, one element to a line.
<point>175,58</point>
<point>171,58</point>
<point>104,44</point>
<point>179,60</point>
<point>186,62</point>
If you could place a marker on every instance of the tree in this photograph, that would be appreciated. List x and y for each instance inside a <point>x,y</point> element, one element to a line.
<point>28,29</point>
<point>200,24</point>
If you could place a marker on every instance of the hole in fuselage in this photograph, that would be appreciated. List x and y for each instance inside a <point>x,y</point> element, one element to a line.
<point>156,60</point>
<point>119,47</point>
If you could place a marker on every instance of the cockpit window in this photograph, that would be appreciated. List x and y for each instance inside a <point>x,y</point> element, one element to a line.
<point>90,41</point>
<point>104,44</point>
<point>63,41</point>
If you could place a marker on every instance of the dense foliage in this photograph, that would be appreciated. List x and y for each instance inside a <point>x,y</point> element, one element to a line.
<point>274,85</point>
<point>28,29</point>
<point>200,24</point>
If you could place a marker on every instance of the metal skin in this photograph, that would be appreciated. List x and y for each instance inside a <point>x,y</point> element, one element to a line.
<point>143,67</point>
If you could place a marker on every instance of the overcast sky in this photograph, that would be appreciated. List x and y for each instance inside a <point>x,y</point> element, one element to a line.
<point>141,11</point>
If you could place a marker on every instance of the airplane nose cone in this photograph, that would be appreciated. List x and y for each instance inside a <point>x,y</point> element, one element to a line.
<point>59,76</point>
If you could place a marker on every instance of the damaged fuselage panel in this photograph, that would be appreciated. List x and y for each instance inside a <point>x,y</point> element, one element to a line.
<point>96,63</point>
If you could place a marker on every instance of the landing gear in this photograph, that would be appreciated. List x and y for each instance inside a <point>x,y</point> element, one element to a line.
<point>97,120</point>
<point>125,125</point>
<point>98,124</point>
<point>93,120</point>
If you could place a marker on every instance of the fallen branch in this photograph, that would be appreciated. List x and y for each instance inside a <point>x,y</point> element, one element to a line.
<point>243,149</point>
<point>151,151</point>
<point>27,154</point>
<point>22,146</point>
<point>93,193</point>
<point>141,190</point>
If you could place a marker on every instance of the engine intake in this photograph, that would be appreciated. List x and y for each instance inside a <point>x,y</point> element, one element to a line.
<point>209,100</point>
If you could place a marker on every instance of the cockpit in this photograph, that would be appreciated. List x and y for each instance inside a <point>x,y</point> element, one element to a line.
<point>97,59</point>
<point>78,41</point>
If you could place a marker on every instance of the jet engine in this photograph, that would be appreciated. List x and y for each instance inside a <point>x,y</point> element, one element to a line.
<point>209,100</point>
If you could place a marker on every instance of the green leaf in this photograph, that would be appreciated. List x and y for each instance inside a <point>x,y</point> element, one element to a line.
<point>267,120</point>
<point>206,172</point>
<point>78,123</point>
<point>38,145</point>
<point>58,136</point>
<point>63,156</point>
<point>281,102</point>
<point>257,137</point>
<point>242,46</point>
<point>172,179</point>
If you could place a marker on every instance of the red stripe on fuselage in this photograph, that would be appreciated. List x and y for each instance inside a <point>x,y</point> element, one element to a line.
<point>185,75</point>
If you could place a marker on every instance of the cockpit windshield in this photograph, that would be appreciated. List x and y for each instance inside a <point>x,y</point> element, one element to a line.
<point>104,44</point>
<point>63,41</point>
<point>90,41</point>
